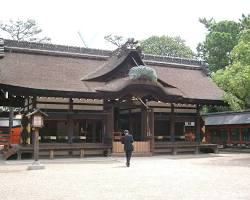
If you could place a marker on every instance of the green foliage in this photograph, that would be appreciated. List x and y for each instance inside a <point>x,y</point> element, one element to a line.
<point>245,22</point>
<point>207,22</point>
<point>143,71</point>
<point>241,52</point>
<point>212,109</point>
<point>165,45</point>
<point>227,51</point>
<point>220,40</point>
<point>23,30</point>
<point>235,78</point>
<point>115,39</point>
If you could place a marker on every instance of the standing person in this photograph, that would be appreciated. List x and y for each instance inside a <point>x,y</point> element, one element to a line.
<point>127,140</point>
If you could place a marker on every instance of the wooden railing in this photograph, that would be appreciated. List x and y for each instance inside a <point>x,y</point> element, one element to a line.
<point>139,147</point>
<point>67,149</point>
<point>180,147</point>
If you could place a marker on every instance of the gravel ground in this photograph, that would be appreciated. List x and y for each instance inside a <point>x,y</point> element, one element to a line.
<point>210,176</point>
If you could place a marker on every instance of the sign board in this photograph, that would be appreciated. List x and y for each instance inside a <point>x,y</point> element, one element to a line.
<point>37,118</point>
<point>37,121</point>
<point>189,124</point>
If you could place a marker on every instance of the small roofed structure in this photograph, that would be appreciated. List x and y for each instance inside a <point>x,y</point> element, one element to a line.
<point>90,97</point>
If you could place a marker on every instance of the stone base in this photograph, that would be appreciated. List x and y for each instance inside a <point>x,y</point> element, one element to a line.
<point>36,166</point>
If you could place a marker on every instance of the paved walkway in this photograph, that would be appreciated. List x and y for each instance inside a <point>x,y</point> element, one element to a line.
<point>222,176</point>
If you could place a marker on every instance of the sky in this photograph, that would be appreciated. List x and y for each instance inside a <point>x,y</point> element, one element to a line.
<point>61,20</point>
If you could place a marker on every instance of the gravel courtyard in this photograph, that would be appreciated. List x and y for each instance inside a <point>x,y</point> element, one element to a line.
<point>205,176</point>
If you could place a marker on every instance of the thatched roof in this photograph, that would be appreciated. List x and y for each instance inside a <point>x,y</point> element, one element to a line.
<point>56,70</point>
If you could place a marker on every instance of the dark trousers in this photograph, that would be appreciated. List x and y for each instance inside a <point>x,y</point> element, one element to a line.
<point>128,156</point>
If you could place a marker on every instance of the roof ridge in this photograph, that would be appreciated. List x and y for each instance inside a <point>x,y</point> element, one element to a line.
<point>173,59</point>
<point>55,47</point>
<point>151,58</point>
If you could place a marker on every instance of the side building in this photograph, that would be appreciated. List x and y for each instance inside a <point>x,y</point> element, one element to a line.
<point>228,128</point>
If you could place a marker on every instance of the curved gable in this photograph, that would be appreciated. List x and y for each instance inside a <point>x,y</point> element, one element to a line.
<point>117,65</point>
<point>139,87</point>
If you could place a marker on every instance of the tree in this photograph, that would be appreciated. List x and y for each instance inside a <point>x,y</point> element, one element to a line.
<point>167,46</point>
<point>245,22</point>
<point>221,38</point>
<point>115,40</point>
<point>235,78</point>
<point>206,22</point>
<point>164,45</point>
<point>24,31</point>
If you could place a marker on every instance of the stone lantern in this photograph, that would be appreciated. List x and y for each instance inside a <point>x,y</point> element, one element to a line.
<point>37,118</point>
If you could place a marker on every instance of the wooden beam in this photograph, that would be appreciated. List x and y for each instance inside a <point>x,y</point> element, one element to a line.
<point>66,103</point>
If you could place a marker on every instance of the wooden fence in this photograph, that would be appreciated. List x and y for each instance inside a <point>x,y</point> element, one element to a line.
<point>139,147</point>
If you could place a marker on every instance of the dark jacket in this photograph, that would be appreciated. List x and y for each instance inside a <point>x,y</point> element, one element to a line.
<point>127,140</point>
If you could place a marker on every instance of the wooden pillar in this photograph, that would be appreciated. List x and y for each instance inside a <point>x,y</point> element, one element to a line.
<point>94,131</point>
<point>36,144</point>
<point>197,150</point>
<point>104,128</point>
<point>19,155</point>
<point>32,134</point>
<point>34,102</point>
<point>130,128</point>
<point>143,123</point>
<point>51,154</point>
<point>240,136</point>
<point>172,124</point>
<point>116,119</point>
<point>197,124</point>
<point>109,108</point>
<point>81,153</point>
<point>70,127</point>
<point>208,135</point>
<point>151,128</point>
<point>11,116</point>
<point>28,103</point>
<point>228,135</point>
<point>71,105</point>
<point>70,124</point>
